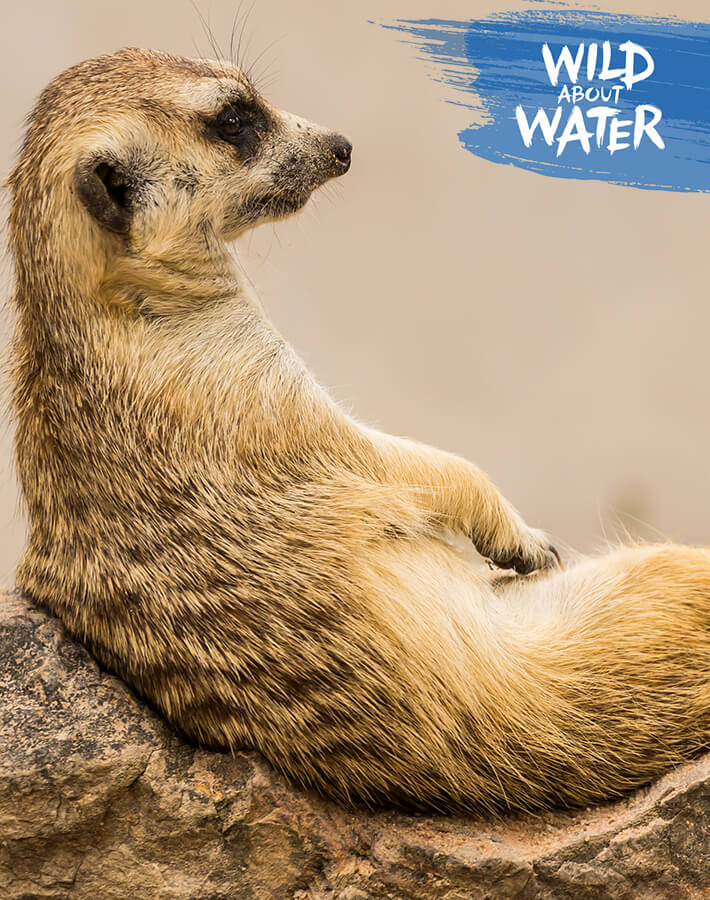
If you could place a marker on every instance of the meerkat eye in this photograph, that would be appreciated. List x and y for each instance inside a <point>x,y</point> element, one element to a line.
<point>228,123</point>
<point>240,123</point>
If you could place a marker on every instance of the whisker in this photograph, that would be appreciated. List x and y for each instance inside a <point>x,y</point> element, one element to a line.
<point>252,66</point>
<point>242,30</point>
<point>207,29</point>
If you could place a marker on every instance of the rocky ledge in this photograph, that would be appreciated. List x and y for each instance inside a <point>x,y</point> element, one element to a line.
<point>100,800</point>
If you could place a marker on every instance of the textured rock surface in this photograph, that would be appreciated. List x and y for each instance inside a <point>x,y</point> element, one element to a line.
<point>98,799</point>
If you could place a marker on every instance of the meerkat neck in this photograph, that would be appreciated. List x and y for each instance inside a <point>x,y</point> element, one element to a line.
<point>169,278</point>
<point>107,275</point>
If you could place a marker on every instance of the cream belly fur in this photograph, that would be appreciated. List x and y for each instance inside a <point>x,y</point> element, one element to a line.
<point>265,570</point>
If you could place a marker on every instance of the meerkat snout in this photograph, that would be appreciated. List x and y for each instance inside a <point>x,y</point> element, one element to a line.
<point>342,151</point>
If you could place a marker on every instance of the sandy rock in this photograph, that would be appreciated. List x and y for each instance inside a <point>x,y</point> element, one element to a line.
<point>100,800</point>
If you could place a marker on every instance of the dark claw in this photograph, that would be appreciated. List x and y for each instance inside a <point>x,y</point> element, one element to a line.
<point>521,565</point>
<point>518,563</point>
<point>525,565</point>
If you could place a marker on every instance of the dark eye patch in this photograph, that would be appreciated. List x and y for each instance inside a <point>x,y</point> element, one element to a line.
<point>240,123</point>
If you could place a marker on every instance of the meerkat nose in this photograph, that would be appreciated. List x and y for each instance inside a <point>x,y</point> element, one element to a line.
<point>341,149</point>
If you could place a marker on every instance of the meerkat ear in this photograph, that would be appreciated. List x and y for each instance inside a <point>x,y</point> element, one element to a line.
<point>104,188</point>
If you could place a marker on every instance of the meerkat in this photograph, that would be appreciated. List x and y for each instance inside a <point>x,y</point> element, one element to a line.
<point>260,567</point>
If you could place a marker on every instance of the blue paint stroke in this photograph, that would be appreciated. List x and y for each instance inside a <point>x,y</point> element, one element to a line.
<point>497,63</point>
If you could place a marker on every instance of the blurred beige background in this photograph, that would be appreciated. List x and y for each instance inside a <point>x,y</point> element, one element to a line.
<point>555,332</point>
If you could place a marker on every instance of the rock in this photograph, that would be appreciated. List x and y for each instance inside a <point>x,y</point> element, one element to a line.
<point>100,800</point>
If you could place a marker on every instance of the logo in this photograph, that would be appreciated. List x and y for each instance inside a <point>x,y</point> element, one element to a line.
<point>574,94</point>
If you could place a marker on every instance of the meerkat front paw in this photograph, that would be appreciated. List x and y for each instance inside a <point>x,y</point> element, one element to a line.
<point>529,551</point>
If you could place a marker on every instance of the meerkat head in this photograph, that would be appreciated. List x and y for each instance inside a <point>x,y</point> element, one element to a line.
<point>140,154</point>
